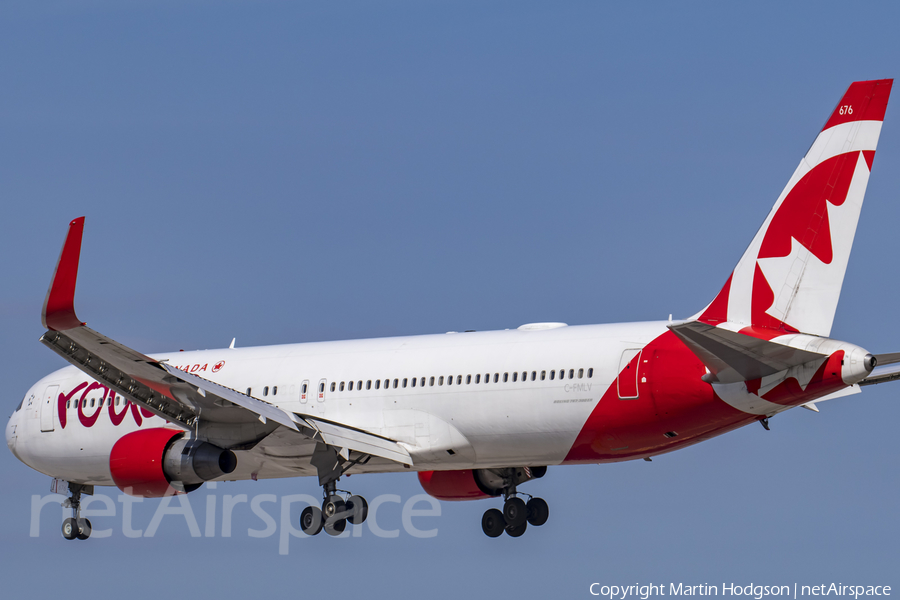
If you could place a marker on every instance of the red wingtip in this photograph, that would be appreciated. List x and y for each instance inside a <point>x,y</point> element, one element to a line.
<point>59,306</point>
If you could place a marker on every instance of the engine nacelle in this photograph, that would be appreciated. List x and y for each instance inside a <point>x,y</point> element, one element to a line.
<point>160,462</point>
<point>475,484</point>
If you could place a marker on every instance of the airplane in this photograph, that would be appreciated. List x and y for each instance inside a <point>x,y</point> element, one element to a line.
<point>475,414</point>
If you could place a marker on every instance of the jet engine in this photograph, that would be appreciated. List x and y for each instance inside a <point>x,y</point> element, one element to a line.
<point>158,462</point>
<point>475,484</point>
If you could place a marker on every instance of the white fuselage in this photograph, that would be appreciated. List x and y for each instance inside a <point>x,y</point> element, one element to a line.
<point>491,398</point>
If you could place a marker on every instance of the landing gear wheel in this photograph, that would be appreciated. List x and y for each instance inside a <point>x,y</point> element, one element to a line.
<point>358,509</point>
<point>538,511</point>
<point>69,530</point>
<point>336,527</point>
<point>493,523</point>
<point>331,506</point>
<point>517,530</point>
<point>84,529</point>
<point>311,520</point>
<point>515,512</point>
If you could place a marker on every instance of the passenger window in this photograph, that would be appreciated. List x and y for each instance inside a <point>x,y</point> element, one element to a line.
<point>350,386</point>
<point>359,384</point>
<point>431,381</point>
<point>496,377</point>
<point>441,380</point>
<point>275,391</point>
<point>248,392</point>
<point>67,403</point>
<point>515,376</point>
<point>450,380</point>
<point>413,382</point>
<point>571,373</point>
<point>422,382</point>
<point>369,384</point>
<point>478,378</point>
<point>92,403</point>
<point>332,386</point>
<point>387,383</point>
<point>590,372</point>
<point>117,400</point>
<point>552,375</point>
<point>543,375</point>
<point>396,381</point>
<point>266,391</point>
<point>505,377</point>
<point>468,379</point>
<point>404,381</point>
<point>303,388</point>
<point>458,379</point>
<point>533,375</point>
<point>580,373</point>
<point>377,384</point>
<point>321,388</point>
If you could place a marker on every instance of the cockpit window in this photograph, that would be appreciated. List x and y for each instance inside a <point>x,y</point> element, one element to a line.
<point>19,407</point>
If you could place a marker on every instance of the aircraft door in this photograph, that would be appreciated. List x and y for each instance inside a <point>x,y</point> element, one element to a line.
<point>627,380</point>
<point>320,395</point>
<point>47,405</point>
<point>304,391</point>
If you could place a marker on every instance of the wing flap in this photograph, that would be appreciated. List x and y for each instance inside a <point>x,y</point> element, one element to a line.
<point>263,409</point>
<point>364,442</point>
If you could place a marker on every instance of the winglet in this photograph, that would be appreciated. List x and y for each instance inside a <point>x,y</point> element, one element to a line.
<point>59,305</point>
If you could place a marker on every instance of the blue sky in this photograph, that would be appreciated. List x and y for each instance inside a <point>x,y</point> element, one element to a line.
<point>282,172</point>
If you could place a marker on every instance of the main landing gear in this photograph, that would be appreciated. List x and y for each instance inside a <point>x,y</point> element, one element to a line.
<point>74,527</point>
<point>336,511</point>
<point>515,517</point>
<point>516,514</point>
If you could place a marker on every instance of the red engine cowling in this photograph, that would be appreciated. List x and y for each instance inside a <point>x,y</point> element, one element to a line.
<point>454,485</point>
<point>136,462</point>
<point>160,462</point>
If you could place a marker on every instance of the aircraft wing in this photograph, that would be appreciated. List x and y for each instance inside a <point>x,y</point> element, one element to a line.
<point>219,414</point>
<point>731,356</point>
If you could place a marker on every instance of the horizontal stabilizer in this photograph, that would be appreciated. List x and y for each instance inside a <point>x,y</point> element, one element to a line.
<point>887,359</point>
<point>887,368</point>
<point>731,356</point>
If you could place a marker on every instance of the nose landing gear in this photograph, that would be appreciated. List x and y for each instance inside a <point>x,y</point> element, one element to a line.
<point>74,527</point>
